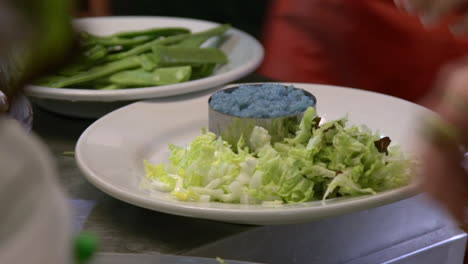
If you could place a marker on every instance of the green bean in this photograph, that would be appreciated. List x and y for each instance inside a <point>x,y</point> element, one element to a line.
<point>96,53</point>
<point>111,86</point>
<point>195,41</point>
<point>218,41</point>
<point>171,56</point>
<point>100,82</point>
<point>89,59</point>
<point>202,71</point>
<point>167,41</point>
<point>96,84</point>
<point>143,48</point>
<point>157,32</point>
<point>192,42</point>
<point>141,58</point>
<point>97,72</point>
<point>216,31</point>
<point>147,62</point>
<point>160,76</point>
<point>48,80</point>
<point>114,49</point>
<point>75,68</point>
<point>85,36</point>
<point>132,37</point>
<point>116,41</point>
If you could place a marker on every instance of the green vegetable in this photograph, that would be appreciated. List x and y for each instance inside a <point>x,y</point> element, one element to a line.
<point>441,132</point>
<point>171,56</point>
<point>131,38</point>
<point>85,247</point>
<point>160,76</point>
<point>192,42</point>
<point>96,53</point>
<point>76,68</point>
<point>202,71</point>
<point>96,73</point>
<point>140,58</point>
<point>195,41</point>
<point>167,41</point>
<point>155,32</point>
<point>111,86</point>
<point>143,48</point>
<point>148,62</point>
<point>317,162</point>
<point>113,41</point>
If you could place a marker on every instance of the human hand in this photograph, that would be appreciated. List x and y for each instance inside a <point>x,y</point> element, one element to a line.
<point>432,12</point>
<point>444,164</point>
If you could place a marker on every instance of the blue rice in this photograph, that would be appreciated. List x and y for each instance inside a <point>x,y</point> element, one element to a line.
<point>262,101</point>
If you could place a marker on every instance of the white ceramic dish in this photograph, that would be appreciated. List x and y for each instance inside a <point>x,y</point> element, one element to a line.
<point>111,152</point>
<point>245,54</point>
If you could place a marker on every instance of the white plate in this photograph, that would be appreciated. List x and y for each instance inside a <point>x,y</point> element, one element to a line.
<point>245,53</point>
<point>111,152</point>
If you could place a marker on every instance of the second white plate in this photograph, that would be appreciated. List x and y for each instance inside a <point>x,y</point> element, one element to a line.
<point>245,53</point>
<point>111,152</point>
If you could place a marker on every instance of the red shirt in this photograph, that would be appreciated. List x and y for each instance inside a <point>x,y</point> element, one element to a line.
<point>366,44</point>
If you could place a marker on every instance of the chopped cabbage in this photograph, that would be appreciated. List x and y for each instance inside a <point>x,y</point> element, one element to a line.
<point>318,162</point>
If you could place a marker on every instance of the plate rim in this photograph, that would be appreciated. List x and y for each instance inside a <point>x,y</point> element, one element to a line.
<point>265,216</point>
<point>84,95</point>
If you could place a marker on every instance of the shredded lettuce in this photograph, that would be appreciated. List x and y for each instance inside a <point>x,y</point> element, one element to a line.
<point>318,162</point>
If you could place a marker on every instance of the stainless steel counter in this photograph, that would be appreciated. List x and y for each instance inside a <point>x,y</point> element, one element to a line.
<point>410,231</point>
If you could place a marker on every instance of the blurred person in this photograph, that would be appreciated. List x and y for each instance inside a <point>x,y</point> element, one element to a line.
<point>367,44</point>
<point>445,167</point>
<point>445,160</point>
<point>35,224</point>
<point>375,46</point>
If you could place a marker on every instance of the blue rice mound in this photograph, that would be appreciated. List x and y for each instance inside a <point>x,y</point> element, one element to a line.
<point>261,101</point>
